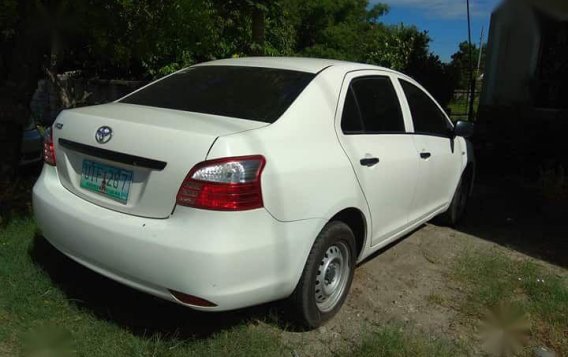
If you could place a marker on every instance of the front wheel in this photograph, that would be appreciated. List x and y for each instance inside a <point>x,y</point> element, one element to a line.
<point>327,276</point>
<point>458,205</point>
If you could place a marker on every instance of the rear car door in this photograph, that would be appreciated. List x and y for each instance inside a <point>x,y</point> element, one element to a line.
<point>373,133</point>
<point>440,160</point>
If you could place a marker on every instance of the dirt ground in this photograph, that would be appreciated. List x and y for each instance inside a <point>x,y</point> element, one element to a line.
<point>405,282</point>
<point>397,286</point>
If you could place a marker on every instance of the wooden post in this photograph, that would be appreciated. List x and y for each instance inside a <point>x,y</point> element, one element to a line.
<point>471,74</point>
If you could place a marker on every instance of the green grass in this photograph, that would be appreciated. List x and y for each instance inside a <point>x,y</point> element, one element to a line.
<point>460,108</point>
<point>51,306</point>
<point>495,282</point>
<point>391,341</point>
<point>37,315</point>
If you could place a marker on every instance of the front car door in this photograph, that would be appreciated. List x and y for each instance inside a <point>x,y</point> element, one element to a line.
<point>438,151</point>
<point>373,133</point>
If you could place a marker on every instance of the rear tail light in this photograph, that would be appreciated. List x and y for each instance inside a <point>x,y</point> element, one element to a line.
<point>228,184</point>
<point>49,148</point>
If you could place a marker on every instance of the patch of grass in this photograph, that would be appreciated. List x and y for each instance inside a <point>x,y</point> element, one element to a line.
<point>15,198</point>
<point>37,317</point>
<point>390,341</point>
<point>458,107</point>
<point>494,279</point>
<point>435,299</point>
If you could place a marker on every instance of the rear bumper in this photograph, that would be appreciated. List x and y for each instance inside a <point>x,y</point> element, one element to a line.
<point>233,259</point>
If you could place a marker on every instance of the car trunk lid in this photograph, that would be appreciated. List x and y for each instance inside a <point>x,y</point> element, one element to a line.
<point>145,159</point>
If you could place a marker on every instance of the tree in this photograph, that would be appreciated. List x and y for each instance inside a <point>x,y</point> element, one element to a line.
<point>328,28</point>
<point>394,46</point>
<point>146,39</point>
<point>22,51</point>
<point>427,68</point>
<point>460,64</point>
<point>253,27</point>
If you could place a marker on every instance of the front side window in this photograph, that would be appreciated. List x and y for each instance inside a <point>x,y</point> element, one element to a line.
<point>253,93</point>
<point>426,115</point>
<point>374,100</point>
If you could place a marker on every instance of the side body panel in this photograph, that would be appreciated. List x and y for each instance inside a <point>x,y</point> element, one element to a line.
<point>389,185</point>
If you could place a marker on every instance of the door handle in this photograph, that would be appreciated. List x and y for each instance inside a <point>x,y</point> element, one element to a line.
<point>425,155</point>
<point>369,161</point>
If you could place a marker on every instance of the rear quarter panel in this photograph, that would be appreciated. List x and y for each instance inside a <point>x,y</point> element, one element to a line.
<point>307,173</point>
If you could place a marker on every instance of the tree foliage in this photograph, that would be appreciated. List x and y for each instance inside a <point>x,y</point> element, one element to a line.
<point>150,38</point>
<point>461,65</point>
<point>145,39</point>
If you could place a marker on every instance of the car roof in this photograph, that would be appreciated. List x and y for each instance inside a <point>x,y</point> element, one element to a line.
<point>302,64</point>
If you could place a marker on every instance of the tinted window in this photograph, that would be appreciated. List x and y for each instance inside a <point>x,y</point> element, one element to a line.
<point>377,104</point>
<point>351,118</point>
<point>426,115</point>
<point>261,94</point>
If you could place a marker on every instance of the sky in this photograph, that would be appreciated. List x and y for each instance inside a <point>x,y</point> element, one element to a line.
<point>445,20</point>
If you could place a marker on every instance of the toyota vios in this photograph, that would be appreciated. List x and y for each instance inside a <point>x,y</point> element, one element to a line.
<point>242,181</point>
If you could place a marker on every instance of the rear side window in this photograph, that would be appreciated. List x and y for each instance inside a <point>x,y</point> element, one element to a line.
<point>351,118</point>
<point>372,107</point>
<point>260,94</point>
<point>426,116</point>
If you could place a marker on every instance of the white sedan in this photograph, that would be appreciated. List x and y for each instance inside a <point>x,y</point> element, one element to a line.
<point>242,181</point>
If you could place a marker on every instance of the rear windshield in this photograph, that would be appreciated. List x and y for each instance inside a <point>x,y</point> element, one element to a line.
<point>260,94</point>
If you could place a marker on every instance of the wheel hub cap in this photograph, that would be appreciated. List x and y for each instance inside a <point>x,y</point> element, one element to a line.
<point>330,273</point>
<point>332,277</point>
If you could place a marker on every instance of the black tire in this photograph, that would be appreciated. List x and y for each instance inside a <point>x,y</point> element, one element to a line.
<point>459,203</point>
<point>308,310</point>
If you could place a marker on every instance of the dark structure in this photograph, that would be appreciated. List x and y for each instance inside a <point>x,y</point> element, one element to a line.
<point>524,102</point>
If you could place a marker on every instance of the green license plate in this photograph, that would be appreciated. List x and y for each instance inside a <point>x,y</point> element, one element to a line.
<point>106,180</point>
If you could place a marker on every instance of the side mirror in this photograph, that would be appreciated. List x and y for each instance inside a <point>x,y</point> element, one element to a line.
<point>464,129</point>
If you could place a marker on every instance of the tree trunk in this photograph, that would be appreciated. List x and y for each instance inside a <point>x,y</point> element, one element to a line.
<point>258,24</point>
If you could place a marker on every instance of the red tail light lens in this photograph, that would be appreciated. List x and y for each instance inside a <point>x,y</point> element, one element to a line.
<point>48,148</point>
<point>192,300</point>
<point>228,184</point>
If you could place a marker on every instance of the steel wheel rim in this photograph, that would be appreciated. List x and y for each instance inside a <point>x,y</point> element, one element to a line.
<point>332,276</point>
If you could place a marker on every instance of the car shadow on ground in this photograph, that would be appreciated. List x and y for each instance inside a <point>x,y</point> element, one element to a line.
<point>504,212</point>
<point>140,313</point>
<point>389,246</point>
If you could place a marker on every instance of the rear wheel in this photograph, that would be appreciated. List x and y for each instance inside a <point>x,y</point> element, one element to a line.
<point>326,278</point>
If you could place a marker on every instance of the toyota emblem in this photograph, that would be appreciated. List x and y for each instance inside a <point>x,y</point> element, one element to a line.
<point>103,135</point>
